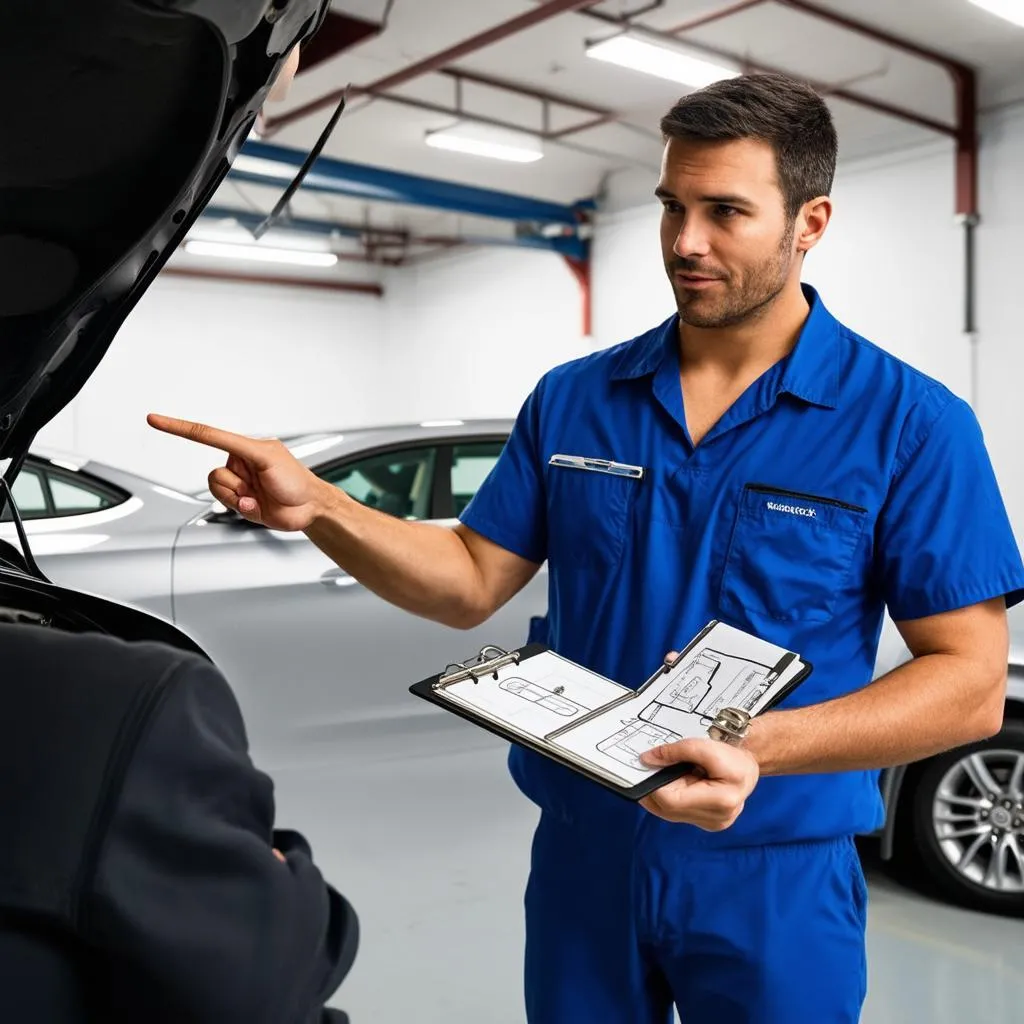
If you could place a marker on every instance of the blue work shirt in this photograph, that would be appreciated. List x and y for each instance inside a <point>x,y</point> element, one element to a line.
<point>841,481</point>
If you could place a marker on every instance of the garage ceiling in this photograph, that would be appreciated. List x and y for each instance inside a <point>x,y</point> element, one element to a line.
<point>549,57</point>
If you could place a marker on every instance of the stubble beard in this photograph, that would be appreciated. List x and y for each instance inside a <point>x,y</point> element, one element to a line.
<point>761,288</point>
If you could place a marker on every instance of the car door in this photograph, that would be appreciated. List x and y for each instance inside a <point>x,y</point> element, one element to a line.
<point>308,650</point>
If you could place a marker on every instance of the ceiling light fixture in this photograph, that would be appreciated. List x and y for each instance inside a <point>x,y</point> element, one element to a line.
<point>1010,10</point>
<point>483,140</point>
<point>260,253</point>
<point>232,233</point>
<point>628,51</point>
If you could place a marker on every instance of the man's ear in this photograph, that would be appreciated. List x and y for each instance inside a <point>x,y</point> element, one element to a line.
<point>811,223</point>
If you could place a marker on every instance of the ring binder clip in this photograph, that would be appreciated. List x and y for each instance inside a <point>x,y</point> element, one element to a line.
<point>478,669</point>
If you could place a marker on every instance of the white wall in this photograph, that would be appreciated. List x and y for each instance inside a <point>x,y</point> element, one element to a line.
<point>466,335</point>
<point>891,267</point>
<point>476,330</point>
<point>252,358</point>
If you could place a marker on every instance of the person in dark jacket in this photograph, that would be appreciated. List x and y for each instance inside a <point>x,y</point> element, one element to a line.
<point>141,875</point>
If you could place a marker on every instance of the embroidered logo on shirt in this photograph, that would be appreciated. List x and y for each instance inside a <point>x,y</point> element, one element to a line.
<point>793,510</point>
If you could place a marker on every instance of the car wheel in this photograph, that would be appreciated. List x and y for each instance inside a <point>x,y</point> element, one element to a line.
<point>961,821</point>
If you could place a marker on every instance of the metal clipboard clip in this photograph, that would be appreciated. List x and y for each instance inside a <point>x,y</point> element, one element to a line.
<point>598,465</point>
<point>476,670</point>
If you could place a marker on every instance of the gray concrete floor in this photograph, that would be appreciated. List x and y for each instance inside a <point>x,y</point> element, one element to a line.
<point>417,822</point>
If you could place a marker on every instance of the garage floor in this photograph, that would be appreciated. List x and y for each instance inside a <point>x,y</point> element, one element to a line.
<point>420,826</point>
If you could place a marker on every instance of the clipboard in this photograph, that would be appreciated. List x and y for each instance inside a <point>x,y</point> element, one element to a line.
<point>597,727</point>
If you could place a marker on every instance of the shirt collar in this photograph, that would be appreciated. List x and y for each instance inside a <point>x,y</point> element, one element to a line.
<point>643,355</point>
<point>811,370</point>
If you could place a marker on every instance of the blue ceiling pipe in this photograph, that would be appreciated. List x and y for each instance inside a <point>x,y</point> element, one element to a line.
<point>565,245</point>
<point>537,220</point>
<point>364,182</point>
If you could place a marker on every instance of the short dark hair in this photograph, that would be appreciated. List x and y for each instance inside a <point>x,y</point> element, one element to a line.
<point>787,114</point>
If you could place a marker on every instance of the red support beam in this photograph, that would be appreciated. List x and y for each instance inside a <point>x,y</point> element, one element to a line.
<point>595,122</point>
<point>525,90</point>
<point>536,16</point>
<point>870,32</point>
<point>965,132</point>
<point>741,60</point>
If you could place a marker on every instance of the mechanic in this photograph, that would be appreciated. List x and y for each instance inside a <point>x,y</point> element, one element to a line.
<point>797,480</point>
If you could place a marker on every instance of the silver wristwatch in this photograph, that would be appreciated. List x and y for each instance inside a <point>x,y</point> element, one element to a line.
<point>730,726</point>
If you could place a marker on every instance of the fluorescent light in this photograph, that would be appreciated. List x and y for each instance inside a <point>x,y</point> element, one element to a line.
<point>260,253</point>
<point>230,231</point>
<point>1011,10</point>
<point>483,140</point>
<point>266,168</point>
<point>662,61</point>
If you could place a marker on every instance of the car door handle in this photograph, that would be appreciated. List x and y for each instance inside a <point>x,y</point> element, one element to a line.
<point>338,578</point>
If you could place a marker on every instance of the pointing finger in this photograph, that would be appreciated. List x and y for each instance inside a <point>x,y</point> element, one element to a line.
<point>236,444</point>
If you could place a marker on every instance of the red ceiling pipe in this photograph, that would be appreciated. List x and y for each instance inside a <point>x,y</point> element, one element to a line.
<point>540,13</point>
<point>359,287</point>
<point>581,271</point>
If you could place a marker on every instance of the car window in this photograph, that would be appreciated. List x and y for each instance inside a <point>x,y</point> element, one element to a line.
<point>399,483</point>
<point>44,493</point>
<point>74,497</point>
<point>29,496</point>
<point>471,463</point>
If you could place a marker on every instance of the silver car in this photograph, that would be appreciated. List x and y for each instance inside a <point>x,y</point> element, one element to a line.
<point>261,602</point>
<point>255,598</point>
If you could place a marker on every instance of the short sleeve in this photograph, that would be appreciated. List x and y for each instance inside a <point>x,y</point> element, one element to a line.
<point>509,507</point>
<point>944,540</point>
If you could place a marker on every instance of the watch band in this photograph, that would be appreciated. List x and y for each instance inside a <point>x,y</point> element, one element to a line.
<point>730,726</point>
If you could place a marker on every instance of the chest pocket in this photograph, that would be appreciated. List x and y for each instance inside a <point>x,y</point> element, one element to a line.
<point>589,513</point>
<point>790,554</point>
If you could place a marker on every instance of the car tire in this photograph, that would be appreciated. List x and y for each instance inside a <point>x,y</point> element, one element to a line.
<point>956,858</point>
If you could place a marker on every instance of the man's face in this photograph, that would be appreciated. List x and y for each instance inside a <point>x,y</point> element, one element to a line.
<point>725,237</point>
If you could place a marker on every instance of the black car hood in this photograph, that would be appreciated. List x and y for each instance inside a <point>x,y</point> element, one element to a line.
<point>122,118</point>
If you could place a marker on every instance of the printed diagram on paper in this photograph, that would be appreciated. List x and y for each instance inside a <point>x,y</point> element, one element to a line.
<point>549,697</point>
<point>695,692</point>
<point>728,669</point>
<point>539,696</point>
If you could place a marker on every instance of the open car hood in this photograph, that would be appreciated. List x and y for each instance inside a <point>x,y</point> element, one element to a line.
<point>122,118</point>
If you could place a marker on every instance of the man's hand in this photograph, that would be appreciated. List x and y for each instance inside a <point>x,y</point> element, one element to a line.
<point>713,796</point>
<point>262,481</point>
